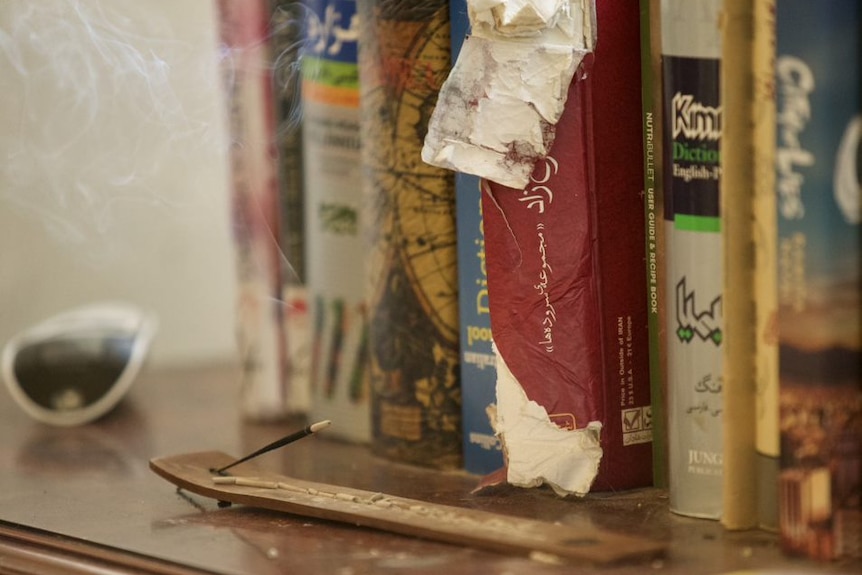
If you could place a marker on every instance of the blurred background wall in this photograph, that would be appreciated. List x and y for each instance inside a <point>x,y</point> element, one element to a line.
<point>113,171</point>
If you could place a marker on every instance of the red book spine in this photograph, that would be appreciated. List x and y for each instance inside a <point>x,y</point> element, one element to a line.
<point>565,261</point>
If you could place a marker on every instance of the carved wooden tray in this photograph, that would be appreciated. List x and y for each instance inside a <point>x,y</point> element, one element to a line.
<point>247,484</point>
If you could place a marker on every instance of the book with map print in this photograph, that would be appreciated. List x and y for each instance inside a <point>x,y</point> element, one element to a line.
<point>412,259</point>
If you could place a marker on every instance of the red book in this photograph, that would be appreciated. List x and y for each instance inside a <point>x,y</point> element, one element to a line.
<point>565,261</point>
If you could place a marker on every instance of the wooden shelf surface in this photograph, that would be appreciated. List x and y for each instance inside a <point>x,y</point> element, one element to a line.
<point>83,500</point>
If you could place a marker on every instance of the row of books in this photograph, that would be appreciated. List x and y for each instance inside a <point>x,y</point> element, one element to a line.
<point>452,321</point>
<point>291,78</point>
<point>383,309</point>
<point>752,110</point>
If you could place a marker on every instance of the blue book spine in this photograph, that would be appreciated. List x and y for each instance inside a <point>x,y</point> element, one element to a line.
<point>818,86</point>
<point>482,452</point>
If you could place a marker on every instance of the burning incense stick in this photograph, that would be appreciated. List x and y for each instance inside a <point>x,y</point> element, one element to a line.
<point>295,436</point>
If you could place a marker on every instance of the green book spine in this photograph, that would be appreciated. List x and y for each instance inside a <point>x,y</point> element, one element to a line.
<point>654,240</point>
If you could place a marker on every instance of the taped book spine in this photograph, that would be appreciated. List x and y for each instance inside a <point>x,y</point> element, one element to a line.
<point>565,260</point>
<point>739,492</point>
<point>260,328</point>
<point>412,271</point>
<point>765,222</point>
<point>749,232</point>
<point>285,40</point>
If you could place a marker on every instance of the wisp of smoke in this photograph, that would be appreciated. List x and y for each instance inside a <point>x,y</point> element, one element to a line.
<point>92,115</point>
<point>288,40</point>
<point>102,98</point>
<point>277,55</point>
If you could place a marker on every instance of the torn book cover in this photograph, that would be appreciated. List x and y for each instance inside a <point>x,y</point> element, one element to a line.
<point>497,111</point>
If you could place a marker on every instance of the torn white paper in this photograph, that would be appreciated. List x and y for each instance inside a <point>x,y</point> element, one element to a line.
<point>496,112</point>
<point>562,22</point>
<point>537,450</point>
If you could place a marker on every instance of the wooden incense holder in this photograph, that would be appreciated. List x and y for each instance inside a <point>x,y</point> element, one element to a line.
<point>249,485</point>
